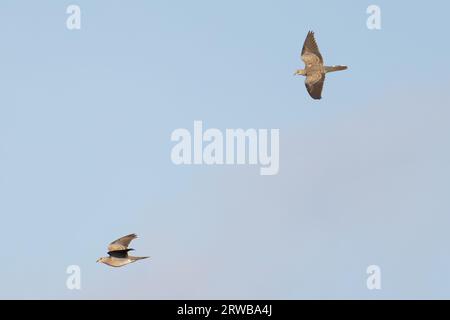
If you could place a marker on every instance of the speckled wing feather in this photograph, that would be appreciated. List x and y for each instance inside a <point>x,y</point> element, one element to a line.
<point>310,52</point>
<point>314,84</point>
<point>122,243</point>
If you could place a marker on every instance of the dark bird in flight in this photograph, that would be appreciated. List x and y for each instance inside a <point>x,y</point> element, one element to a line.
<point>314,69</point>
<point>118,252</point>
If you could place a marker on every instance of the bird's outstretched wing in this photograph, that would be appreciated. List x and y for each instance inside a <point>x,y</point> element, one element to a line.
<point>314,84</point>
<point>122,243</point>
<point>119,253</point>
<point>310,52</point>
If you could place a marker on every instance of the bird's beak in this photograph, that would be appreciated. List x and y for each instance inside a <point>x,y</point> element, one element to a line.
<point>295,73</point>
<point>98,260</point>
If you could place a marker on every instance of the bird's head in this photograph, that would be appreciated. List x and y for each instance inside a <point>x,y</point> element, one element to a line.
<point>299,72</point>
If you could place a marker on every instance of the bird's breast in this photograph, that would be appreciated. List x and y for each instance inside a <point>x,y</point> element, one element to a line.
<point>314,69</point>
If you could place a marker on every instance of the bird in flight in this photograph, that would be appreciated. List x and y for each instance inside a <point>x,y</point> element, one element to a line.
<point>314,69</point>
<point>118,252</point>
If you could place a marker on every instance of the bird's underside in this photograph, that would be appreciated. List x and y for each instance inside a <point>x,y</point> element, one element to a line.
<point>118,252</point>
<point>314,69</point>
<point>120,262</point>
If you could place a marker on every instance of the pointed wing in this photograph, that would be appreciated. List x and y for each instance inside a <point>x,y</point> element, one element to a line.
<point>310,52</point>
<point>119,253</point>
<point>122,243</point>
<point>314,84</point>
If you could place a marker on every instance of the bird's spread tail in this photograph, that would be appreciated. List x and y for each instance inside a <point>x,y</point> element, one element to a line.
<point>335,68</point>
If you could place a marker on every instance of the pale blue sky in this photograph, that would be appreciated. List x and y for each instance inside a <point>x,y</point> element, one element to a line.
<point>85,124</point>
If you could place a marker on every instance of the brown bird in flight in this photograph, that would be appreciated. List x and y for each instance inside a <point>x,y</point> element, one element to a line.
<point>118,252</point>
<point>314,69</point>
